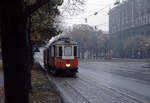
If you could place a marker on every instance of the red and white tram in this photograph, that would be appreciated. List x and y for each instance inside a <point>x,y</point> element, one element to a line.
<point>62,55</point>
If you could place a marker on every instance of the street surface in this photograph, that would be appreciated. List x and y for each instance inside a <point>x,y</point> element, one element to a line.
<point>106,82</point>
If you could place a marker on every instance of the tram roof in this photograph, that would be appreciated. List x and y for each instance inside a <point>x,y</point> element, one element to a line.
<point>64,41</point>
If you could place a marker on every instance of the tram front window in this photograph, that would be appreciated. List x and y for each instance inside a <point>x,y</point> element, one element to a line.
<point>68,51</point>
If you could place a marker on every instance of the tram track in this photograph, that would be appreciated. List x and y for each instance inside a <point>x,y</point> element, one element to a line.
<point>75,92</point>
<point>111,89</point>
<point>91,87</point>
<point>68,92</point>
<point>79,94</point>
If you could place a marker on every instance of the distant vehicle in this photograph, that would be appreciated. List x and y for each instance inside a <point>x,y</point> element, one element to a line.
<point>62,56</point>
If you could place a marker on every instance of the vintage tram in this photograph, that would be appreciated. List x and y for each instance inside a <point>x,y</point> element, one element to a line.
<point>62,56</point>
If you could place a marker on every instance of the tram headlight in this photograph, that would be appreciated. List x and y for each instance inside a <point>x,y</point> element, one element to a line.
<point>67,65</point>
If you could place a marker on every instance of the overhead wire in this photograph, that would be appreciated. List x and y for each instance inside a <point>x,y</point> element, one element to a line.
<point>94,14</point>
<point>101,9</point>
<point>102,13</point>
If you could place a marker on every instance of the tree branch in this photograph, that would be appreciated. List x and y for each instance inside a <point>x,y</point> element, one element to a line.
<point>31,9</point>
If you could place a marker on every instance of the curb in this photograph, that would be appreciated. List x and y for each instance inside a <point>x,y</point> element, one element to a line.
<point>61,95</point>
<point>57,90</point>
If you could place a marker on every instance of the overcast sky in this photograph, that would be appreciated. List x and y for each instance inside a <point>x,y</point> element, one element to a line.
<point>100,20</point>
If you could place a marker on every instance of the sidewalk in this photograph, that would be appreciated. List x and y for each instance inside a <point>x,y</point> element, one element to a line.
<point>42,90</point>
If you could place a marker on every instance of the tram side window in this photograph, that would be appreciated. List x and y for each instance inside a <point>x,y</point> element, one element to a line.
<point>52,50</point>
<point>55,49</point>
<point>75,51</point>
<point>60,51</point>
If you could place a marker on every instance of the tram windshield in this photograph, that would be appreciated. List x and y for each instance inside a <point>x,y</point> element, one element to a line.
<point>68,51</point>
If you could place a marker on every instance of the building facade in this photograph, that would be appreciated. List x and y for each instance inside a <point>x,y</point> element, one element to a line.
<point>129,18</point>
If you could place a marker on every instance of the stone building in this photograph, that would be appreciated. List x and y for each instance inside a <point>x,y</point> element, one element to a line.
<point>129,18</point>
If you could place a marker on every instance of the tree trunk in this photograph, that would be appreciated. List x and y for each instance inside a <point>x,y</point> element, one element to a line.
<point>30,54</point>
<point>14,52</point>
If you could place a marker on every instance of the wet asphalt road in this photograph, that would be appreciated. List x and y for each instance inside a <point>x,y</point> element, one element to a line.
<point>106,82</point>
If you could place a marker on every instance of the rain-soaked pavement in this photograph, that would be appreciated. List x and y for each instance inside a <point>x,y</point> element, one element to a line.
<point>106,82</point>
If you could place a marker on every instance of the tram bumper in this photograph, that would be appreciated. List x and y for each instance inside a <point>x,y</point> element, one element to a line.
<point>66,69</point>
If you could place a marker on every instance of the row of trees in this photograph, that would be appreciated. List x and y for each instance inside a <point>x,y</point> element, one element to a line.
<point>136,47</point>
<point>92,43</point>
<point>98,44</point>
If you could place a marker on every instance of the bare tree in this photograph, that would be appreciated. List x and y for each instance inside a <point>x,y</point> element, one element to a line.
<point>92,43</point>
<point>73,7</point>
